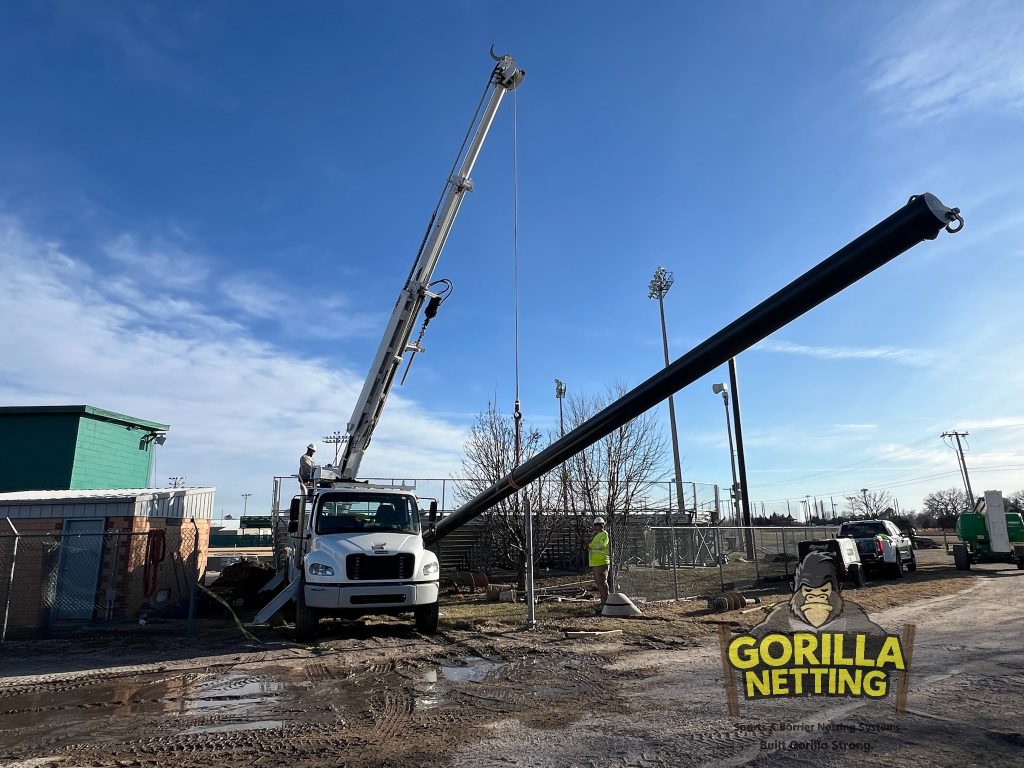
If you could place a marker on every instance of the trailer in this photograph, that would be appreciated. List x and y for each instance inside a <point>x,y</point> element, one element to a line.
<point>989,534</point>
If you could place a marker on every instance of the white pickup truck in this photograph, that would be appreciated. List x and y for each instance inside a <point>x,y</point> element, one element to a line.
<point>881,546</point>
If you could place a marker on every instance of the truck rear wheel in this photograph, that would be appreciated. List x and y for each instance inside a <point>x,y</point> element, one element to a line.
<point>426,619</point>
<point>961,557</point>
<point>912,565</point>
<point>896,569</point>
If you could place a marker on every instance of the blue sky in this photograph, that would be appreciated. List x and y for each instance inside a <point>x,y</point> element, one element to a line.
<point>207,210</point>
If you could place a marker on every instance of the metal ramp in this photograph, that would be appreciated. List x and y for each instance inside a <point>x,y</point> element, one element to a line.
<point>275,605</point>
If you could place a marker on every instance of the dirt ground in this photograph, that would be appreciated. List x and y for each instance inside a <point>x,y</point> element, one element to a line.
<point>486,691</point>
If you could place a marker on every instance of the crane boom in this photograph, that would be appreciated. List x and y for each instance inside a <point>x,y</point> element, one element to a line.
<point>395,342</point>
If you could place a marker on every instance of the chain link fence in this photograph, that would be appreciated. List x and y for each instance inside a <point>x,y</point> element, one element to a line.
<point>664,562</point>
<point>55,581</point>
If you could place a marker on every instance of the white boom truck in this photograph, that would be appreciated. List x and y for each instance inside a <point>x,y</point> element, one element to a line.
<point>356,549</point>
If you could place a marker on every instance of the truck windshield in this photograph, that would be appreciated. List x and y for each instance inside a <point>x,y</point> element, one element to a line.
<point>865,530</point>
<point>356,512</point>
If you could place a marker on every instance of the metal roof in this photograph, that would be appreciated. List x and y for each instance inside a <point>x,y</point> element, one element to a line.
<point>95,494</point>
<point>85,410</point>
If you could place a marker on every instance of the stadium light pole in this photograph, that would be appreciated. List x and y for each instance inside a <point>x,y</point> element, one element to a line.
<point>659,286</point>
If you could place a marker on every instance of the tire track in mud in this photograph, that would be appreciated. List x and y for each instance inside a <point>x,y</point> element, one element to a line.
<point>391,711</point>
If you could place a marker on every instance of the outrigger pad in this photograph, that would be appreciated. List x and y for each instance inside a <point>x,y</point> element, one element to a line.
<point>620,605</point>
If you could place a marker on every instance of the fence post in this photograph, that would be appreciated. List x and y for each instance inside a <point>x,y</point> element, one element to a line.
<point>785,552</point>
<point>672,544</point>
<point>190,626</point>
<point>10,581</point>
<point>718,557</point>
<point>753,542</point>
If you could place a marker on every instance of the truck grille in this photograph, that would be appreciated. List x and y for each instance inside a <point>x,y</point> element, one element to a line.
<point>379,567</point>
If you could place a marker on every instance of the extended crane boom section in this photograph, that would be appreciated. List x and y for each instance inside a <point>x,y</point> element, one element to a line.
<point>395,342</point>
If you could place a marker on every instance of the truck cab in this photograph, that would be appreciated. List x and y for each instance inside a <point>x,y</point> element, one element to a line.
<point>357,550</point>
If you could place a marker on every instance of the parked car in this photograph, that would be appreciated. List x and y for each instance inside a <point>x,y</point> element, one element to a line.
<point>881,545</point>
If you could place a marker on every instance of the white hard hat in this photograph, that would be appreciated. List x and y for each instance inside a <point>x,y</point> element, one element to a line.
<point>310,447</point>
<point>598,521</point>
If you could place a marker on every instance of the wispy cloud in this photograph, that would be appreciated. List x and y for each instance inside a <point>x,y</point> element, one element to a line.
<point>915,357</point>
<point>1004,422</point>
<point>938,59</point>
<point>240,409</point>
<point>315,314</point>
<point>159,260</point>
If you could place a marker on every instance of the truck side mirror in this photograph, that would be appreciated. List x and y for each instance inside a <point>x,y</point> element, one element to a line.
<point>293,515</point>
<point>433,511</point>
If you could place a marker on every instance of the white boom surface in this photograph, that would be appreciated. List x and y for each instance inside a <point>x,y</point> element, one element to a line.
<point>395,342</point>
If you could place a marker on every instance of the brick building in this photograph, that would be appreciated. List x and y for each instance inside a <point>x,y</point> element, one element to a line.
<point>90,556</point>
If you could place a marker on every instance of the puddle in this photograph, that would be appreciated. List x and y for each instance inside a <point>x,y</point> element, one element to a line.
<point>473,671</point>
<point>73,709</point>
<point>255,725</point>
<point>236,692</point>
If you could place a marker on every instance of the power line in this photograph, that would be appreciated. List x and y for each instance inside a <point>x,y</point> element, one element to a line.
<point>899,483</point>
<point>851,465</point>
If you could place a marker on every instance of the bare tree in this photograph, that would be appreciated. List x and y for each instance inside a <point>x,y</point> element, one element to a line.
<point>870,504</point>
<point>614,476</point>
<point>1014,502</point>
<point>488,456</point>
<point>946,504</point>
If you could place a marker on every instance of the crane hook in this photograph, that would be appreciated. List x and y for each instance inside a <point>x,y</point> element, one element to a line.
<point>495,56</point>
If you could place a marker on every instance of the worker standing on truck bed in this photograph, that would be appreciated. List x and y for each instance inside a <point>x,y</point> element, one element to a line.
<point>598,550</point>
<point>307,464</point>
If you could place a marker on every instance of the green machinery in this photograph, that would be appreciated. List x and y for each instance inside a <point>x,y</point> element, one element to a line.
<point>989,534</point>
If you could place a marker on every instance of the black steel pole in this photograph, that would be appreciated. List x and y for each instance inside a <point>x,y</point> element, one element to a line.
<point>922,218</point>
<point>741,459</point>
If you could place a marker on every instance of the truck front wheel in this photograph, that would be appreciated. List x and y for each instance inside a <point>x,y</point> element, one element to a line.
<point>426,619</point>
<point>306,619</point>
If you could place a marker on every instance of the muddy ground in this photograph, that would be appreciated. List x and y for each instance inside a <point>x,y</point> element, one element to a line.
<point>484,691</point>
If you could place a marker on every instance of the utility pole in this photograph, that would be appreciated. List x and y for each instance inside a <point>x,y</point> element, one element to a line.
<point>741,460</point>
<point>245,499</point>
<point>337,440</point>
<point>177,481</point>
<point>962,462</point>
<point>721,389</point>
<point>866,510</point>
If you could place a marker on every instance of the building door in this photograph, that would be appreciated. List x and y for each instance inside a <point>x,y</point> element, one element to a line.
<point>78,572</point>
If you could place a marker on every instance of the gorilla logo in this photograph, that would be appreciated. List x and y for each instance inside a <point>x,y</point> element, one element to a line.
<point>816,598</point>
<point>817,604</point>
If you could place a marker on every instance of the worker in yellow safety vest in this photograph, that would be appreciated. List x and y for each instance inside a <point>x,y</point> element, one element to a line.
<point>599,550</point>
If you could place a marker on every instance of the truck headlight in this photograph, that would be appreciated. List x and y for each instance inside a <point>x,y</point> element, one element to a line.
<point>430,569</point>
<point>315,569</point>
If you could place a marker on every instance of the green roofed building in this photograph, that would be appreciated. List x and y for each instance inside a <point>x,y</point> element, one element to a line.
<point>74,447</point>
